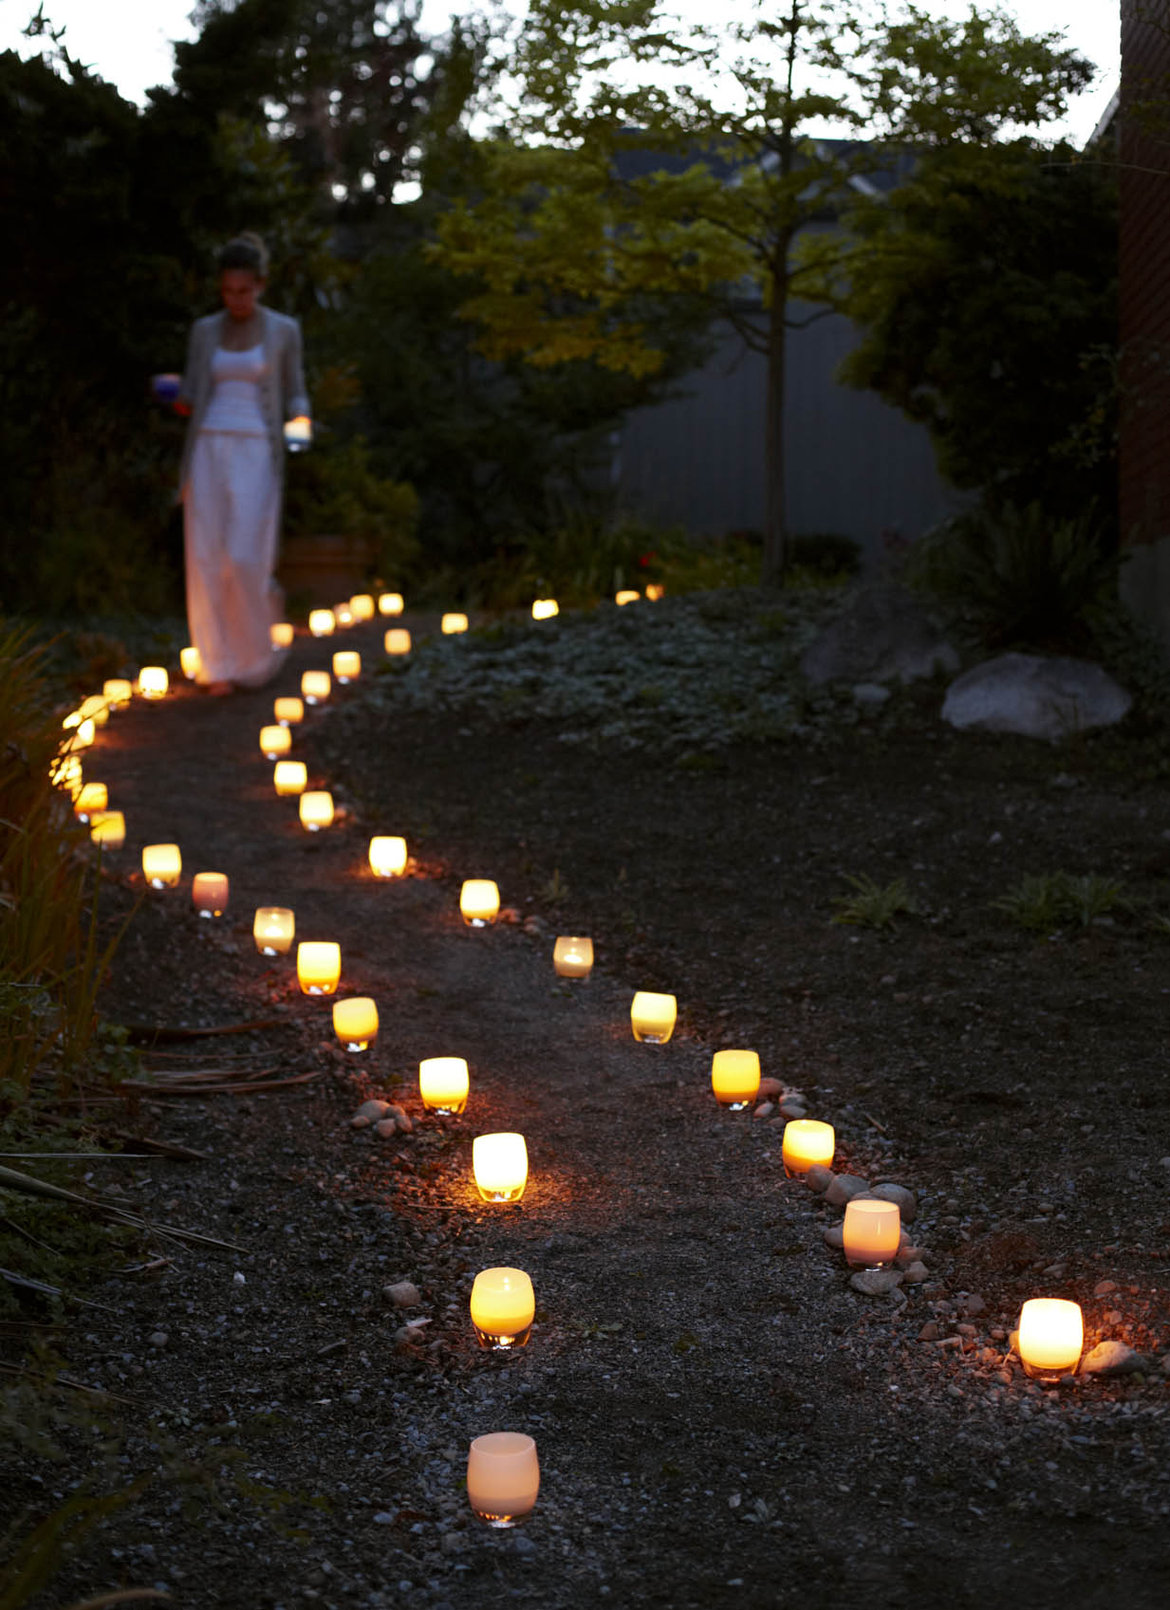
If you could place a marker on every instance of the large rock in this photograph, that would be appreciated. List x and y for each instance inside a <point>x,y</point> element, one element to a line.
<point>881,635</point>
<point>1035,696</point>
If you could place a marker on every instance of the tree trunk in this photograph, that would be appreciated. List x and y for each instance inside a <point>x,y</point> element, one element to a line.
<point>775,526</point>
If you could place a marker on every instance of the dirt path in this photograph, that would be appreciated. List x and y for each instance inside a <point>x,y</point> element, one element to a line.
<point>720,1419</point>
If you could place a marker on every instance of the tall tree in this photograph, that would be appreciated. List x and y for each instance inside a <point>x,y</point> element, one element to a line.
<point>641,158</point>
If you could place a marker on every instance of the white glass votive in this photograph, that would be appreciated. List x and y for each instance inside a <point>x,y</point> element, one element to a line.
<point>500,1166</point>
<point>443,1084</point>
<point>503,1478</point>
<point>872,1233</point>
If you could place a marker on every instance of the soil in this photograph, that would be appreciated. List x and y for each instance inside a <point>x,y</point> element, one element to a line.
<point>721,1419</point>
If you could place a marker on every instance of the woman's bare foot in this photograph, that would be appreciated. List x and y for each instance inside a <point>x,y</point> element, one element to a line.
<point>218,689</point>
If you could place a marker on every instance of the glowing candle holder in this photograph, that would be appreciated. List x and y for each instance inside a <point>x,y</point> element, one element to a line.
<point>361,607</point>
<point>453,622</point>
<point>209,893</point>
<point>503,1478</point>
<point>288,711</point>
<point>316,686</point>
<point>118,692</point>
<point>318,966</point>
<point>90,801</point>
<point>500,1165</point>
<point>190,662</point>
<point>273,928</point>
<point>654,591</point>
<point>397,640</point>
<point>807,1141</point>
<point>290,777</point>
<point>543,609</point>
<point>274,742</point>
<point>96,709</point>
<point>652,1017</point>
<point>162,865</point>
<point>65,773</point>
<point>316,809</point>
<point>342,613</point>
<point>355,1022</point>
<point>280,635</point>
<point>573,958</point>
<point>628,595</point>
<point>387,857</point>
<point>322,622</point>
<point>80,730</point>
<point>503,1306</point>
<point>108,828</point>
<point>735,1078</point>
<point>443,1084</point>
<point>298,433</point>
<point>390,604</point>
<point>479,901</point>
<point>872,1233</point>
<point>1051,1336</point>
<point>347,665</point>
<point>153,682</point>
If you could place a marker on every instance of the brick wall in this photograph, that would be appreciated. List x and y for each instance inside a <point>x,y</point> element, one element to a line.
<point>1145,270</point>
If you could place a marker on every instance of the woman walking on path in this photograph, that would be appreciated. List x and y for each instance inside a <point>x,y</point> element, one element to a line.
<point>243,378</point>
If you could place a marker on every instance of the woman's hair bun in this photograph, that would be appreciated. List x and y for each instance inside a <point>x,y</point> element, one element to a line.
<point>247,251</point>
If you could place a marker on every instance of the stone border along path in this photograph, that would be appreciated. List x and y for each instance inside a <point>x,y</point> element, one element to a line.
<point>628,1154</point>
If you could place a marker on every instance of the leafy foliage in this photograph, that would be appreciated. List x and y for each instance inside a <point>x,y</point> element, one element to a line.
<point>334,491</point>
<point>874,905</point>
<point>1044,902</point>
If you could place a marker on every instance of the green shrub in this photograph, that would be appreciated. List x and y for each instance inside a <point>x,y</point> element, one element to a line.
<point>333,491</point>
<point>874,905</point>
<point>1044,902</point>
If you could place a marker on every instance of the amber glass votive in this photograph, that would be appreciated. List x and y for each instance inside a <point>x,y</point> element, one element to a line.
<point>503,1306</point>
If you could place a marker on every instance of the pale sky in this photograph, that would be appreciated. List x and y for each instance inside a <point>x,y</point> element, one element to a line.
<point>128,42</point>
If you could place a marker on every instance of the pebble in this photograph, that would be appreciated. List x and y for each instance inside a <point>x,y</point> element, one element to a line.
<point>876,1282</point>
<point>535,925</point>
<point>404,1294</point>
<point>905,1199</point>
<point>973,1305</point>
<point>239,1279</point>
<point>1112,1358</point>
<point>906,1255</point>
<point>819,1178</point>
<point>360,1123</point>
<point>833,1235</point>
<point>915,1274</point>
<point>414,1332</point>
<point>386,1128</point>
<point>765,1109</point>
<point>455,1542</point>
<point>929,1332</point>
<point>770,1088</point>
<point>1165,1365</point>
<point>844,1188</point>
<point>405,1124</point>
<point>793,1109</point>
<point>159,1338</point>
<point>371,1110</point>
<point>1104,1287</point>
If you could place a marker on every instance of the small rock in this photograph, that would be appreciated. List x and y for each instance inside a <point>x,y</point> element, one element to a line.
<point>1165,1365</point>
<point>395,1112</point>
<point>159,1338</point>
<point>372,1109</point>
<point>916,1274</point>
<point>770,1088</point>
<point>819,1178</point>
<point>455,1542</point>
<point>833,1235</point>
<point>844,1188</point>
<point>238,1279</point>
<point>522,1545</point>
<point>509,914</point>
<point>1104,1287</point>
<point>793,1109</point>
<point>359,1122</point>
<point>973,1305</point>
<point>413,1333</point>
<point>384,1517</point>
<point>929,1332</point>
<point>937,1288</point>
<point>908,1255</point>
<point>405,1294</point>
<point>901,1196</point>
<point>405,1125</point>
<point>535,925</point>
<point>876,1282</point>
<point>1112,1358</point>
<point>764,1110</point>
<point>386,1128</point>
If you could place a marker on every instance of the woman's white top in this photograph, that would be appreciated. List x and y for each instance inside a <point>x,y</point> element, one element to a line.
<point>235,404</point>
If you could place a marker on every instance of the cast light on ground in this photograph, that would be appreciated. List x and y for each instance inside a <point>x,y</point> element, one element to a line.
<point>397,640</point>
<point>108,829</point>
<point>316,809</point>
<point>280,635</point>
<point>503,1306</point>
<point>92,798</point>
<point>190,662</point>
<point>162,865</point>
<point>1051,1336</point>
<point>288,711</point>
<point>209,893</point>
<point>274,742</point>
<point>807,1141</point>
<point>652,1016</point>
<point>872,1233</point>
<point>479,901</point>
<point>153,682</point>
<point>273,928</point>
<point>453,622</point>
<point>573,957</point>
<point>290,776</point>
<point>355,1022</point>
<point>118,692</point>
<point>347,665</point>
<point>316,686</point>
<point>322,622</point>
<point>390,604</point>
<point>361,607</point>
<point>387,856</point>
<point>318,966</point>
<point>443,1084</point>
<point>503,1478</point>
<point>500,1165</point>
<point>735,1078</point>
<point>543,609</point>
